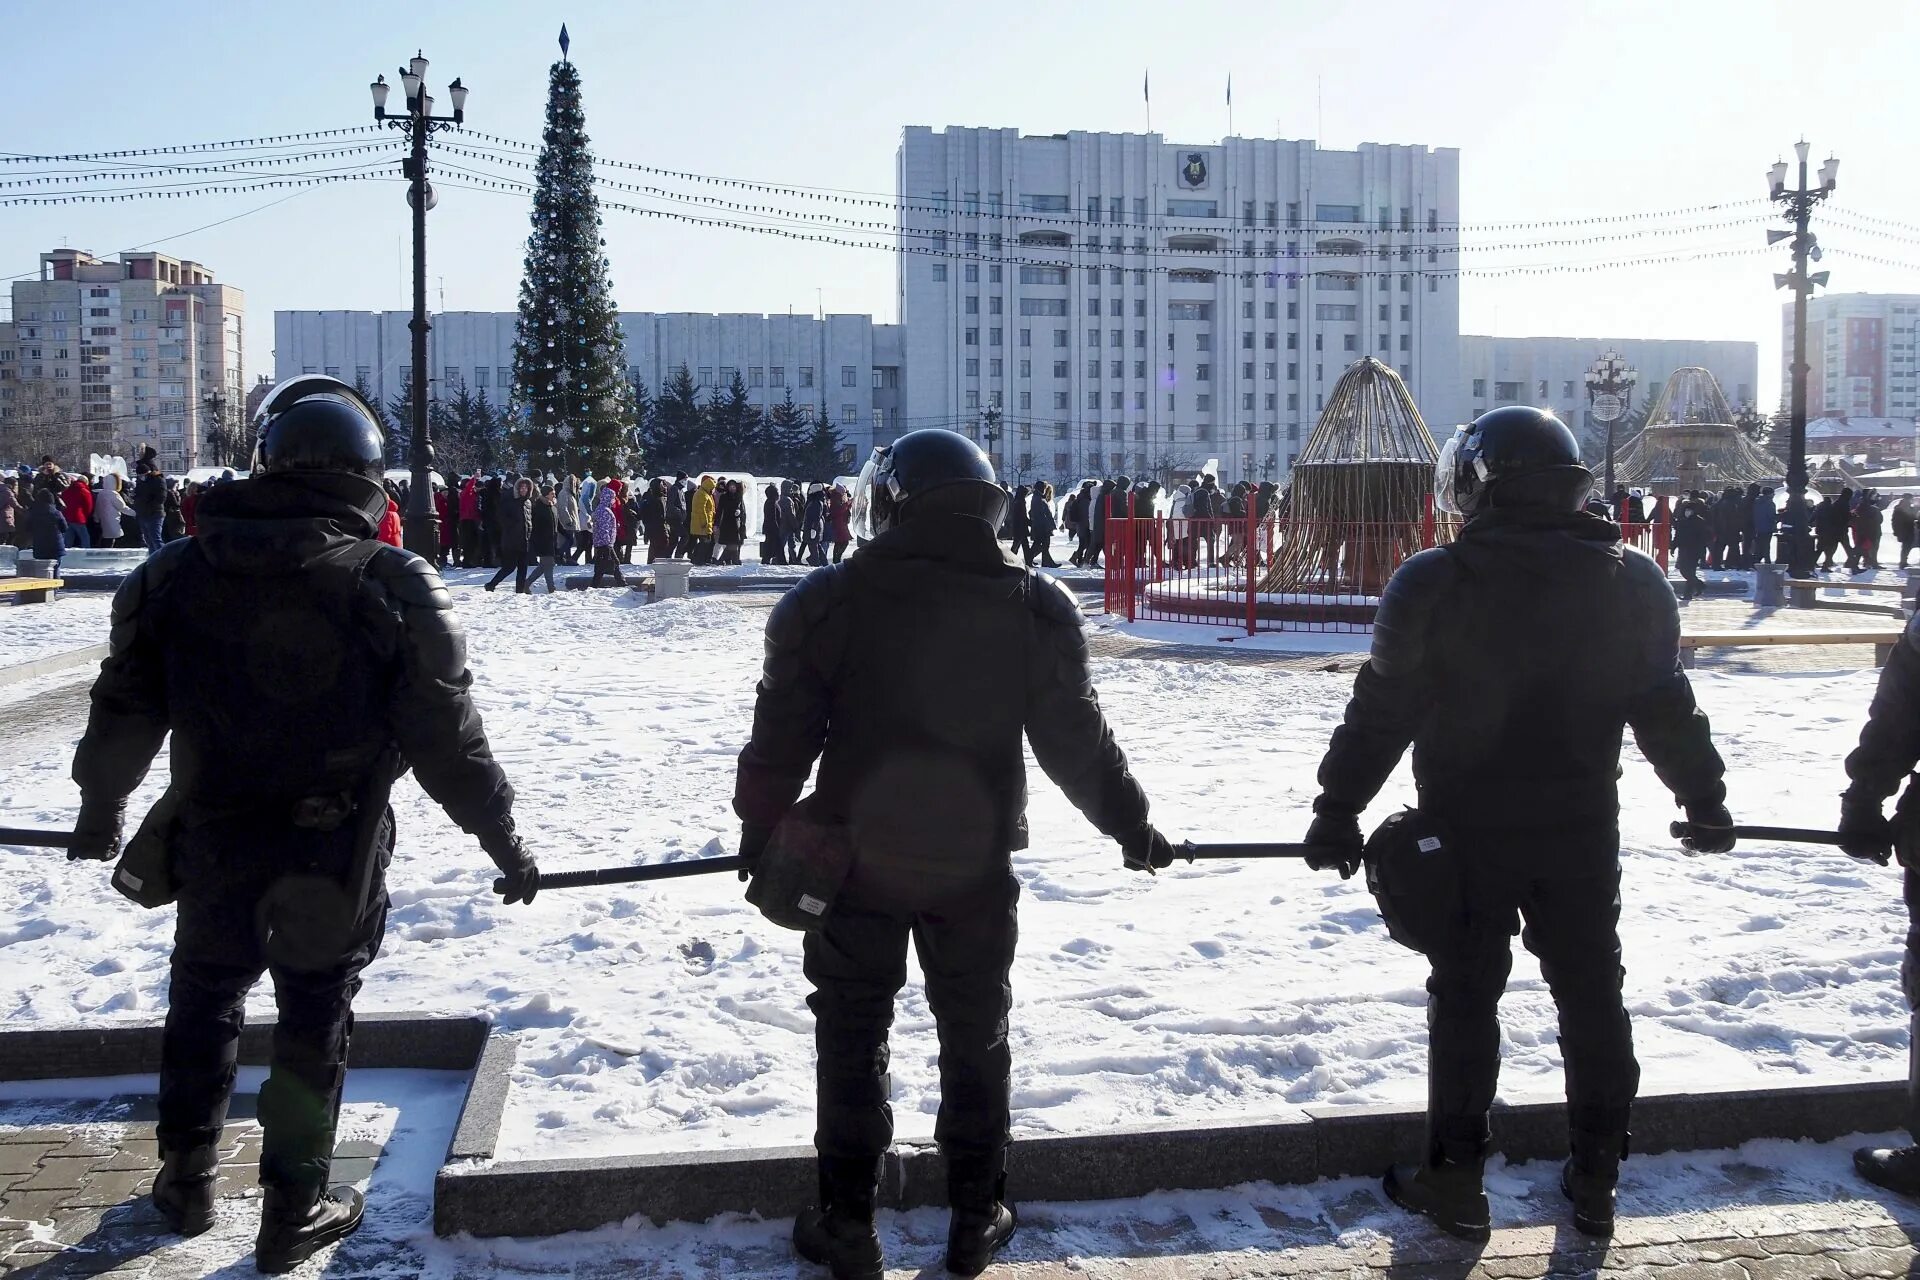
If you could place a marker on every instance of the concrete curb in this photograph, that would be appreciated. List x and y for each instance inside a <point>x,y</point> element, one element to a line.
<point>540,1197</point>
<point>379,1040</point>
<point>48,665</point>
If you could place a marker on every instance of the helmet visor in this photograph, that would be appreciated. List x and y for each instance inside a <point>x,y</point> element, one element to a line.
<point>1445,497</point>
<point>862,517</point>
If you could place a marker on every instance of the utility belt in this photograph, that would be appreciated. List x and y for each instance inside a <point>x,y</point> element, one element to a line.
<point>146,875</point>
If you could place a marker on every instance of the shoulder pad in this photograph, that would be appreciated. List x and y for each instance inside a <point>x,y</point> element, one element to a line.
<point>150,579</point>
<point>1431,570</point>
<point>806,604</point>
<point>409,579</point>
<point>1053,599</point>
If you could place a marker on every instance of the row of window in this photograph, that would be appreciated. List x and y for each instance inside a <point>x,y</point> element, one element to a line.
<point>1112,206</point>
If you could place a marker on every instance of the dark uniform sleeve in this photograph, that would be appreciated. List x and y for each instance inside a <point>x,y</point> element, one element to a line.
<point>434,719</point>
<point>1890,742</point>
<point>804,635</point>
<point>128,719</point>
<point>1391,694</point>
<point>1669,726</point>
<point>1065,726</point>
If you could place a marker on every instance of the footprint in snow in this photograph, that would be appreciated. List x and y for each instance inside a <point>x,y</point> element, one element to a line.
<point>1209,947</point>
<point>698,954</point>
<point>1760,924</point>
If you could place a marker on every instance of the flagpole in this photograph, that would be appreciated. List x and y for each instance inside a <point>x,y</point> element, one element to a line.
<point>1146,92</point>
<point>1229,104</point>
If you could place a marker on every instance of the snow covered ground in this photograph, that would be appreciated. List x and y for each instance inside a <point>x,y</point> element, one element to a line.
<point>75,619</point>
<point>674,1017</point>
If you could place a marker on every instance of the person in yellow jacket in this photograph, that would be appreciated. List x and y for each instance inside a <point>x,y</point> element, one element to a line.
<point>700,523</point>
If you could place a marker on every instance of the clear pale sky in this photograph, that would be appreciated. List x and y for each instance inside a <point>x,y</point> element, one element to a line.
<point>1560,110</point>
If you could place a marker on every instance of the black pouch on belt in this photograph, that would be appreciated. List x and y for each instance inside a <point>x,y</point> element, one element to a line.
<point>801,873</point>
<point>1413,872</point>
<point>144,873</point>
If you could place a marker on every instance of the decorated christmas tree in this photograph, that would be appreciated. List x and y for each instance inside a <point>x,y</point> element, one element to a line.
<point>568,359</point>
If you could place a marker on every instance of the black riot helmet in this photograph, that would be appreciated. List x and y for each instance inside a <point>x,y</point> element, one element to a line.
<point>1514,456</point>
<point>929,471</point>
<point>316,423</point>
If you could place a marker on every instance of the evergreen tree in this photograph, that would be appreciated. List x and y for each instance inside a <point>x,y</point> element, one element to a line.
<point>823,457</point>
<point>784,438</point>
<point>400,421</point>
<point>568,358</point>
<point>642,431</point>
<point>676,430</point>
<point>733,428</point>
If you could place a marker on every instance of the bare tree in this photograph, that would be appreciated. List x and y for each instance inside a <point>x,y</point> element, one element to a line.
<point>37,423</point>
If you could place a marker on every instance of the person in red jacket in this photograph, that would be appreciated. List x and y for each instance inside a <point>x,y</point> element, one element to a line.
<point>839,521</point>
<point>390,524</point>
<point>76,507</point>
<point>470,522</point>
<point>189,503</point>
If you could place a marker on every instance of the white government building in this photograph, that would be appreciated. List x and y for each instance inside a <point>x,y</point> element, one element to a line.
<point>1130,302</point>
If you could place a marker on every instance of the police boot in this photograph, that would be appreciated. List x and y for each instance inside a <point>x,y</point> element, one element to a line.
<point>1591,1173</point>
<point>183,1189</point>
<point>982,1221</point>
<point>839,1235</point>
<point>295,1225</point>
<point>1446,1190</point>
<point>1898,1168</point>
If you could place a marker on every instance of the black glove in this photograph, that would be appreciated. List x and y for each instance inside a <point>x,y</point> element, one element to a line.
<point>1145,849</point>
<point>753,843</point>
<point>1864,833</point>
<point>519,875</point>
<point>1336,828</point>
<point>1712,829</point>
<point>97,831</point>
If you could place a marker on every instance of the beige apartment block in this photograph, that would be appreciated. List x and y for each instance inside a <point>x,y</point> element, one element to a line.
<point>118,355</point>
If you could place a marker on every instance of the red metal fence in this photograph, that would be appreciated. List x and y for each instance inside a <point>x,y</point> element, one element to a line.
<point>1214,571</point>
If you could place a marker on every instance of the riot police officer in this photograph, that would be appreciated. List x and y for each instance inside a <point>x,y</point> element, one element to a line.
<point>1511,660</point>
<point>1889,748</point>
<point>299,664</point>
<point>910,671</point>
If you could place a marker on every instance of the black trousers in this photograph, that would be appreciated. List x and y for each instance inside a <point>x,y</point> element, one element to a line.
<point>857,964</point>
<point>1571,924</point>
<point>254,899</point>
<point>513,562</point>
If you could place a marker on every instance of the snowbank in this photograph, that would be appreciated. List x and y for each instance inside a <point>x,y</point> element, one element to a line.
<point>73,620</point>
<point>673,1017</point>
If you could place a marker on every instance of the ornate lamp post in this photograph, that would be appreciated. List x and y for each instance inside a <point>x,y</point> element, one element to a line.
<point>1610,382</point>
<point>419,123</point>
<point>1797,207</point>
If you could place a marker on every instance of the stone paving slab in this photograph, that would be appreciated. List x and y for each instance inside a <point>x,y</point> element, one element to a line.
<point>1757,1214</point>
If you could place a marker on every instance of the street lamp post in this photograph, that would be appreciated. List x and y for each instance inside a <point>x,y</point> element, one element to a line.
<point>1797,207</point>
<point>419,123</point>
<point>990,431</point>
<point>1610,382</point>
<point>216,434</point>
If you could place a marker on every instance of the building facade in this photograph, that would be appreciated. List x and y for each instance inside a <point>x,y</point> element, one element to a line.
<point>146,350</point>
<point>1863,354</point>
<point>843,365</point>
<point>1133,304</point>
<point>1550,373</point>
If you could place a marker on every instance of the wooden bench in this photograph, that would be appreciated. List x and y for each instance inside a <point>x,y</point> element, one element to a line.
<point>1881,638</point>
<point>1804,592</point>
<point>30,590</point>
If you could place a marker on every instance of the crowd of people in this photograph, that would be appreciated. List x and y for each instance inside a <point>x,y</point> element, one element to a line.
<point>523,526</point>
<point>47,510</point>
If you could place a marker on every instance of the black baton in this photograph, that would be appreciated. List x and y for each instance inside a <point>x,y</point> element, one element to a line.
<point>632,875</point>
<point>1190,850</point>
<point>1781,835</point>
<point>27,837</point>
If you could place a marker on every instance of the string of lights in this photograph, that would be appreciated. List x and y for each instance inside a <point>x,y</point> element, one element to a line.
<point>382,174</point>
<point>949,209</point>
<point>1224,250</point>
<point>1005,259</point>
<point>130,173</point>
<point>362,130</point>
